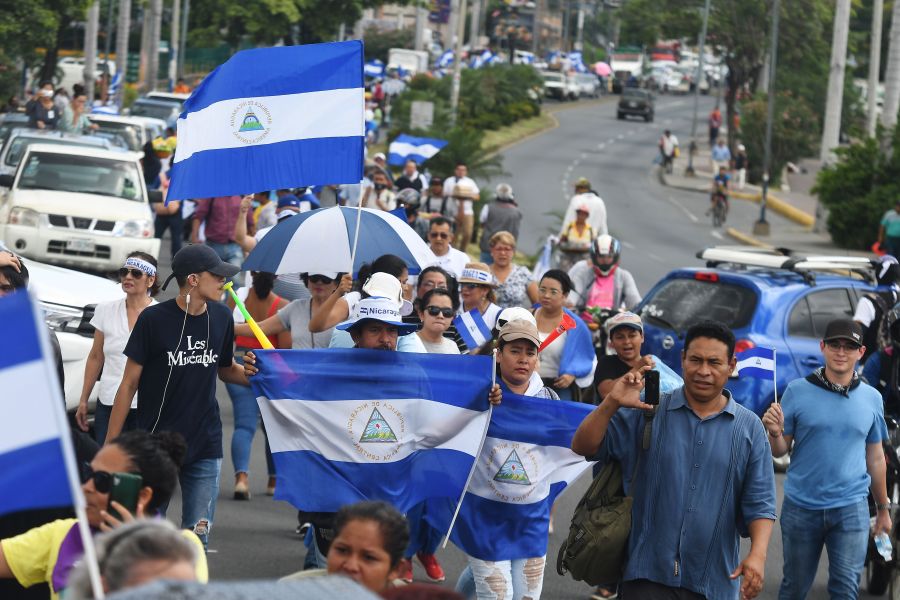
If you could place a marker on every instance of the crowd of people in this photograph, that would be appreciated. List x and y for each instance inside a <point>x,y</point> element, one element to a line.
<point>564,335</point>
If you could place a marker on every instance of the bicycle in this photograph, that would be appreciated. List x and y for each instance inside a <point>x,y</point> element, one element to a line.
<point>720,209</point>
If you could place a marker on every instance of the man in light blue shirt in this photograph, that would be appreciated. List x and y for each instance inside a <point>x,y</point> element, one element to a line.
<point>836,424</point>
<point>721,156</point>
<point>705,480</point>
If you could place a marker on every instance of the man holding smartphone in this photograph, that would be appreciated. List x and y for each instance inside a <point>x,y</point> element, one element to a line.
<point>836,424</point>
<point>705,480</point>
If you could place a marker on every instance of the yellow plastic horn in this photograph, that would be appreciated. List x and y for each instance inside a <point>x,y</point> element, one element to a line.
<point>263,340</point>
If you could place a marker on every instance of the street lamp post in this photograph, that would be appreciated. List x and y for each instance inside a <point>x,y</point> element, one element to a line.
<point>700,51</point>
<point>761,227</point>
<point>457,60</point>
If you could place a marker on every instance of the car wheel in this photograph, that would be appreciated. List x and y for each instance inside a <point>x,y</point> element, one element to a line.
<point>620,116</point>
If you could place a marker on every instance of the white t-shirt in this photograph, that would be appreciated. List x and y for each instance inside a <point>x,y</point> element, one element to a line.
<point>112,319</point>
<point>865,312</point>
<point>668,144</point>
<point>596,217</point>
<point>445,346</point>
<point>453,262</point>
<point>451,182</point>
<point>551,355</point>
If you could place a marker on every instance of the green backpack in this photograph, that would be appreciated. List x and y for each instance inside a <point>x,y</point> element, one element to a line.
<point>597,546</point>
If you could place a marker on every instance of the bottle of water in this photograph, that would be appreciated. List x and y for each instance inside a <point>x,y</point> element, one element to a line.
<point>883,545</point>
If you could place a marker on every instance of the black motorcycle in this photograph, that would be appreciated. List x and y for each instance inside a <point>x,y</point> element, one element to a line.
<point>882,574</point>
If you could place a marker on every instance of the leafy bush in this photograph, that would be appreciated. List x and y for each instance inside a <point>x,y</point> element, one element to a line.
<point>859,189</point>
<point>378,42</point>
<point>794,133</point>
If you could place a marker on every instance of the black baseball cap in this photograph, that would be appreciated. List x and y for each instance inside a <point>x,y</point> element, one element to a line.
<point>844,329</point>
<point>197,258</point>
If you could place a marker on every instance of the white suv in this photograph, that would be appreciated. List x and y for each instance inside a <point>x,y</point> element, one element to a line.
<point>80,207</point>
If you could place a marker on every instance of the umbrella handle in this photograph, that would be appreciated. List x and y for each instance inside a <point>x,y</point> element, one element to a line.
<point>355,236</point>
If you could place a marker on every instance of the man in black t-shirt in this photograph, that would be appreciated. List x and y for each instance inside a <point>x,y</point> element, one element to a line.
<point>626,334</point>
<point>176,350</point>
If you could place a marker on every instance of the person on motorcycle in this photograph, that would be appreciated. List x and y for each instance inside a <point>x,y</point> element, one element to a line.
<point>875,316</point>
<point>720,188</point>
<point>587,197</point>
<point>599,281</point>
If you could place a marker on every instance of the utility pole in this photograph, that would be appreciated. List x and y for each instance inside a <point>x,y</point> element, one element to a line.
<point>122,29</point>
<point>536,28</point>
<point>832,129</point>
<point>144,14</point>
<point>109,29</point>
<point>174,31</point>
<point>761,227</point>
<point>475,29</point>
<point>457,59</point>
<point>579,30</point>
<point>91,28</point>
<point>892,73</point>
<point>153,60</point>
<point>874,66</point>
<point>701,51</point>
<point>421,19</point>
<point>183,40</point>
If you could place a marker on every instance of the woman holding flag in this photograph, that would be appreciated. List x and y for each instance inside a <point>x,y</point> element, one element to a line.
<point>567,362</point>
<point>477,285</point>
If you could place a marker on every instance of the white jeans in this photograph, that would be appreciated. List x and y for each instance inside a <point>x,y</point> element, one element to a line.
<point>519,579</point>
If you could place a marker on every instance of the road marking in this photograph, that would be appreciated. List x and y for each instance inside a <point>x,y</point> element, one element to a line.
<point>690,215</point>
<point>628,245</point>
<point>583,155</point>
<point>621,136</point>
<point>654,257</point>
<point>611,141</point>
<point>601,146</point>
<point>716,235</point>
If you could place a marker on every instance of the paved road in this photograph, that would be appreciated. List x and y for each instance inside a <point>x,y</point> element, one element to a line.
<point>660,229</point>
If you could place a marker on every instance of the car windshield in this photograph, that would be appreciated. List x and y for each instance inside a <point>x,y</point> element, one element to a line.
<point>19,144</point>
<point>130,133</point>
<point>81,174</point>
<point>680,303</point>
<point>157,110</point>
<point>634,94</point>
<point>556,77</point>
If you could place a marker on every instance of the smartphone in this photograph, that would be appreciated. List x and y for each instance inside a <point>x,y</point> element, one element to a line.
<point>125,490</point>
<point>651,387</point>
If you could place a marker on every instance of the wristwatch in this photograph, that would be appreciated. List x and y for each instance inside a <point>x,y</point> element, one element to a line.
<point>883,506</point>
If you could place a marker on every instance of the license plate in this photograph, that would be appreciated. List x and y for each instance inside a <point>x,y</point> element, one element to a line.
<point>632,104</point>
<point>80,245</point>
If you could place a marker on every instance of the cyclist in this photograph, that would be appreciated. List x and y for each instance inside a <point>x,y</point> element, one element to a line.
<point>599,281</point>
<point>720,189</point>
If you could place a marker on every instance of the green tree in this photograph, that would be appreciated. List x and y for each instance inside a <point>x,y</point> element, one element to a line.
<point>378,42</point>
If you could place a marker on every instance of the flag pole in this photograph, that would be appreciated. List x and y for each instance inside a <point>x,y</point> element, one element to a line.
<point>774,373</point>
<point>356,234</point>
<point>74,480</point>
<point>478,455</point>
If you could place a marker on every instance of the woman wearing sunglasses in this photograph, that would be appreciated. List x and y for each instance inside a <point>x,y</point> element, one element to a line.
<point>436,310</point>
<point>477,285</point>
<point>47,554</point>
<point>113,322</point>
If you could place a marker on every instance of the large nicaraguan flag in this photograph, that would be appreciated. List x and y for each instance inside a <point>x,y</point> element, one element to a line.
<point>757,362</point>
<point>525,464</point>
<point>407,147</point>
<point>32,430</point>
<point>351,425</point>
<point>273,118</point>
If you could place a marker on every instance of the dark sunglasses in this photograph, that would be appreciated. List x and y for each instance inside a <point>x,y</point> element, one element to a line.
<point>320,279</point>
<point>439,235</point>
<point>135,273</point>
<point>102,479</point>
<point>439,310</point>
<point>470,286</point>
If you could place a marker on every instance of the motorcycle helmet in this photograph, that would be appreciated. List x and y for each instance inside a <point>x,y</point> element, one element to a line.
<point>409,199</point>
<point>605,253</point>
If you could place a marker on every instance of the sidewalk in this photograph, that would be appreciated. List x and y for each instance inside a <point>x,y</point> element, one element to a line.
<point>793,202</point>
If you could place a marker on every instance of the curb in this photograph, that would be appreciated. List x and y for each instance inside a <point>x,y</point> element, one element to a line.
<point>746,239</point>
<point>550,127</point>
<point>773,203</point>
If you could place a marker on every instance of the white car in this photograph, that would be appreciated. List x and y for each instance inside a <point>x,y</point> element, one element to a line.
<point>20,139</point>
<point>588,84</point>
<point>78,207</point>
<point>68,299</point>
<point>130,129</point>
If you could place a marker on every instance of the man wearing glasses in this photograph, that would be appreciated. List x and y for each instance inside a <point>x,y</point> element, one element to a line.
<point>440,235</point>
<point>837,425</point>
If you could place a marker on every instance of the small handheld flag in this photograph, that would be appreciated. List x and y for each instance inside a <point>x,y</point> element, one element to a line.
<point>472,328</point>
<point>756,362</point>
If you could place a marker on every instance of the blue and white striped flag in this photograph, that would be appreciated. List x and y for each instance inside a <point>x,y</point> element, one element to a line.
<point>446,59</point>
<point>480,60</point>
<point>351,425</point>
<point>757,362</point>
<point>472,328</point>
<point>419,149</point>
<point>273,118</point>
<point>374,68</point>
<point>525,464</point>
<point>33,432</point>
<point>577,62</point>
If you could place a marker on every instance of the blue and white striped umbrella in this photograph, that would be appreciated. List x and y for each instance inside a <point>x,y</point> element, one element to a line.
<point>321,241</point>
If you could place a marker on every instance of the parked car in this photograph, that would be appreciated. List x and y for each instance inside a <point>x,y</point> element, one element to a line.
<point>68,299</point>
<point>573,88</point>
<point>636,102</point>
<point>158,109</point>
<point>130,129</point>
<point>588,85</point>
<point>767,299</point>
<point>20,139</point>
<point>78,206</point>
<point>10,121</point>
<point>555,85</point>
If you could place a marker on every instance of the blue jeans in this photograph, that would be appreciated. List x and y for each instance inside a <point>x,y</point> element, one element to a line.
<point>246,416</point>
<point>199,490</point>
<point>101,421</point>
<point>845,534</point>
<point>230,253</point>
<point>522,578</point>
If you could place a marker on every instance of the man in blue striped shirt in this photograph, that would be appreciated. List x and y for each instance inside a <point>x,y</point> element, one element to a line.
<point>705,480</point>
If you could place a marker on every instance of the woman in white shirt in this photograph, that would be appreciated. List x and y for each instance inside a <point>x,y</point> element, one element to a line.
<point>113,322</point>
